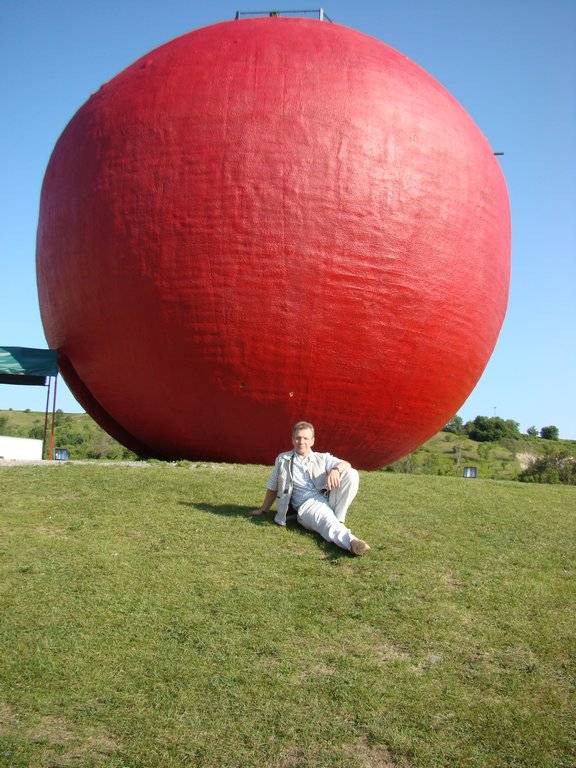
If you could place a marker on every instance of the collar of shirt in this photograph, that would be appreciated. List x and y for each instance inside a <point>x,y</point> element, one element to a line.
<point>303,461</point>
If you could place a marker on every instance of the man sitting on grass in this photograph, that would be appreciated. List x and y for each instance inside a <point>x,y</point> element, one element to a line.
<point>318,486</point>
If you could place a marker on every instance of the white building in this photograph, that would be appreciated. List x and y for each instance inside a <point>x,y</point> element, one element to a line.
<point>20,449</point>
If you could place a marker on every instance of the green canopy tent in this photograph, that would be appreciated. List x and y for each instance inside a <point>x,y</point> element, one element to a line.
<point>33,367</point>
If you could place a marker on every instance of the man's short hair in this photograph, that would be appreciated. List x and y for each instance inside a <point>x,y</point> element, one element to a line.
<point>302,425</point>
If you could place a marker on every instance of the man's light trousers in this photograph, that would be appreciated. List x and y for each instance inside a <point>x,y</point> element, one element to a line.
<point>326,516</point>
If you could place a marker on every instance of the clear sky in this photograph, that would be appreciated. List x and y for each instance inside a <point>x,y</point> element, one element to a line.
<point>511,64</point>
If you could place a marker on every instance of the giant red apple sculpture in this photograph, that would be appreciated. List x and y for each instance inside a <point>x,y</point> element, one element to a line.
<point>271,220</point>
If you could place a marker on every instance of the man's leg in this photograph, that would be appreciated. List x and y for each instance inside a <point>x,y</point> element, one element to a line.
<point>341,498</point>
<point>317,515</point>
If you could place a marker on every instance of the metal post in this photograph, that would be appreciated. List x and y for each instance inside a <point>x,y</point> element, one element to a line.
<point>52,438</point>
<point>46,418</point>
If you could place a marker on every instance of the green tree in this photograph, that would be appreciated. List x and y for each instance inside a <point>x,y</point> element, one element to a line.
<point>455,425</point>
<point>532,432</point>
<point>485,429</point>
<point>550,433</point>
<point>512,428</point>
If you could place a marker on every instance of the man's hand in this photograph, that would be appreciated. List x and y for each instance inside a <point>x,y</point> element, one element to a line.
<point>269,499</point>
<point>333,479</point>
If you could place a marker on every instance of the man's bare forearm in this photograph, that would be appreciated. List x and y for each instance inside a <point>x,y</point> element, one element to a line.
<point>334,476</point>
<point>269,499</point>
<point>266,504</point>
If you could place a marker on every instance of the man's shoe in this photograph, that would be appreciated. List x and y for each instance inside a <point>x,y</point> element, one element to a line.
<point>359,547</point>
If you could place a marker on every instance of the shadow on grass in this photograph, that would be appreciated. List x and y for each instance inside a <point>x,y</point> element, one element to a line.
<point>331,551</point>
<point>226,510</point>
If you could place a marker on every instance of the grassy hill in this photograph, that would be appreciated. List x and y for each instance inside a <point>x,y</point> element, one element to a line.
<point>448,454</point>
<point>148,623</point>
<point>77,432</point>
<point>444,454</point>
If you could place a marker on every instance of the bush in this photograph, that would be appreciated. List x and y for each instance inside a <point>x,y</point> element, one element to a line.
<point>437,465</point>
<point>558,467</point>
<point>550,433</point>
<point>455,425</point>
<point>489,429</point>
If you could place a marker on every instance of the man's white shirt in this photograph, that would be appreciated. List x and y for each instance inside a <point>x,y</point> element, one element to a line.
<point>304,487</point>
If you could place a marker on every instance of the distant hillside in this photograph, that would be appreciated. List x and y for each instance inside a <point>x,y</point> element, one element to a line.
<point>444,454</point>
<point>77,432</point>
<point>448,454</point>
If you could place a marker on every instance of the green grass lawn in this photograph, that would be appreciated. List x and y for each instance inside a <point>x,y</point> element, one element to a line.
<point>147,622</point>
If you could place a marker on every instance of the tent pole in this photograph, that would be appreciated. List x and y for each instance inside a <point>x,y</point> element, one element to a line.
<point>51,450</point>
<point>46,417</point>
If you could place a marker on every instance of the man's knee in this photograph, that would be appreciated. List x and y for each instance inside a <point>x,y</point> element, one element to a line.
<point>351,477</point>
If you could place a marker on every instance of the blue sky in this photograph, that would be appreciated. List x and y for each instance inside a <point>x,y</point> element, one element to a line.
<point>511,64</point>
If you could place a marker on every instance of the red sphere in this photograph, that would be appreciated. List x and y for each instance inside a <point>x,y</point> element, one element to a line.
<point>271,220</point>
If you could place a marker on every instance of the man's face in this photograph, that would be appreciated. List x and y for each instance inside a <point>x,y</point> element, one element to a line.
<point>303,440</point>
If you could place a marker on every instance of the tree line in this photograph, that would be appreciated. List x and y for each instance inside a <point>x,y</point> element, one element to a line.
<point>488,429</point>
<point>84,439</point>
<point>557,465</point>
